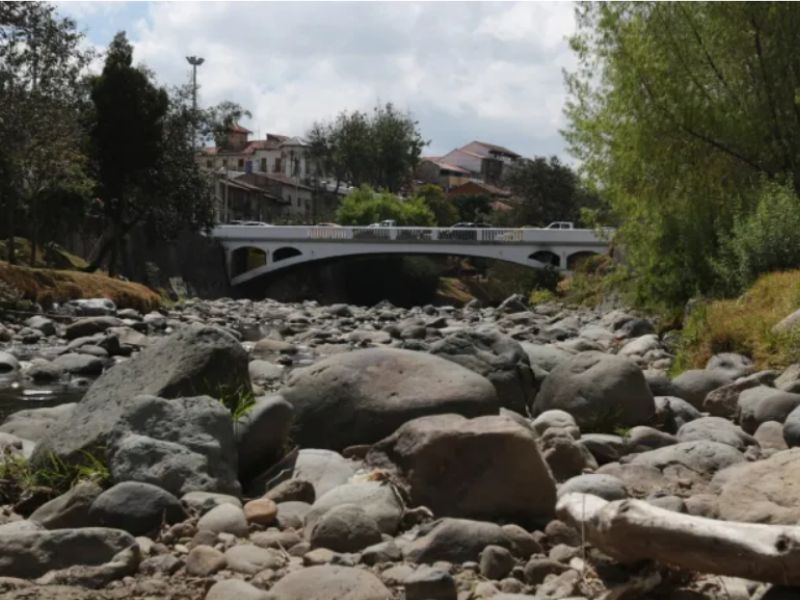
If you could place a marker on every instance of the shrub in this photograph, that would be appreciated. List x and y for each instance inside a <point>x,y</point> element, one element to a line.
<point>766,240</point>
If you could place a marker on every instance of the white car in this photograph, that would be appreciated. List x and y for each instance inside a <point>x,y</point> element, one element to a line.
<point>561,225</point>
<point>386,223</point>
<point>251,223</point>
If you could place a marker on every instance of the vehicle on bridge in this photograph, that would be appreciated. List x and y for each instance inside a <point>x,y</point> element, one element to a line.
<point>561,225</point>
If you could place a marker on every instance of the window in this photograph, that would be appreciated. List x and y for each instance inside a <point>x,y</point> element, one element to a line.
<point>263,165</point>
<point>241,163</point>
<point>277,167</point>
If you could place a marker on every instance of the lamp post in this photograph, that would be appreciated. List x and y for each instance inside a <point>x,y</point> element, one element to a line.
<point>195,61</point>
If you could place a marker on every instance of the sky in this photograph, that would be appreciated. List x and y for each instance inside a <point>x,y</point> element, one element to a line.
<point>488,71</point>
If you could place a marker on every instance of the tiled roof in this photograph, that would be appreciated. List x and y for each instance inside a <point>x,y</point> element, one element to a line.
<point>486,187</point>
<point>236,128</point>
<point>496,148</point>
<point>261,179</point>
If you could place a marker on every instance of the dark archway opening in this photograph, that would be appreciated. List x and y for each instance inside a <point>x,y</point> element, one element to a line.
<point>284,253</point>
<point>547,257</point>
<point>246,259</point>
<point>576,260</point>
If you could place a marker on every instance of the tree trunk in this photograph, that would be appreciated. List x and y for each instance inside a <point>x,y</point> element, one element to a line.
<point>633,530</point>
<point>102,249</point>
<point>12,208</point>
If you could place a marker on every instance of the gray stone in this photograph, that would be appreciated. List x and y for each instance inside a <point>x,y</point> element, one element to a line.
<point>769,436</point>
<point>138,508</point>
<point>79,364</point>
<point>765,491</point>
<point>362,396</point>
<point>496,562</point>
<point>345,528</point>
<point>262,434</point>
<point>70,509</point>
<point>228,589</point>
<point>31,554</point>
<point>499,358</point>
<point>297,490</point>
<point>427,583</point>
<point>202,502</point>
<point>225,518</point>
<point>607,487</point>
<point>324,469</point>
<point>605,447</point>
<point>36,424</point>
<point>263,370</point>
<point>554,418</point>
<point>537,569</point>
<point>565,456</point>
<point>378,501</point>
<point>204,560</point>
<point>694,384</point>
<point>193,361</point>
<point>674,412</point>
<point>383,552</point>
<point>640,345</point>
<point>761,404</point>
<point>658,382</point>
<point>90,326</point>
<point>791,428</point>
<point>8,362</point>
<point>91,306</point>
<point>292,514</point>
<point>43,324</point>
<point>734,365</point>
<point>642,438</point>
<point>716,429</point>
<point>599,390</point>
<point>498,472</point>
<point>544,356</point>
<point>329,583</point>
<point>182,445</point>
<point>44,371</point>
<point>250,559</point>
<point>455,540</point>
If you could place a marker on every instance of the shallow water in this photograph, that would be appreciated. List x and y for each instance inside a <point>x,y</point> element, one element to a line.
<point>14,396</point>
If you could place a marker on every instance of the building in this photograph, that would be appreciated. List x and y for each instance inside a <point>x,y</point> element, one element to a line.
<point>266,180</point>
<point>486,162</point>
<point>434,170</point>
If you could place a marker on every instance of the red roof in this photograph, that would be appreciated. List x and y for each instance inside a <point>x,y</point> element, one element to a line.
<point>236,128</point>
<point>471,187</point>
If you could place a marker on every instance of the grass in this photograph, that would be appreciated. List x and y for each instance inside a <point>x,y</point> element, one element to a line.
<point>744,325</point>
<point>46,286</point>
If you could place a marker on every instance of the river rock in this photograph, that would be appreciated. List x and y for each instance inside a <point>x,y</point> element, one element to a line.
<point>90,326</point>
<point>262,434</point>
<point>138,508</point>
<point>345,528</point>
<point>716,429</point>
<point>8,362</point>
<point>674,412</point>
<point>377,500</point>
<point>224,518</point>
<point>761,404</point>
<point>228,589</point>
<point>31,554</point>
<point>607,487</point>
<point>79,364</point>
<point>195,360</point>
<point>766,491</point>
<point>599,390</point>
<point>499,358</point>
<point>329,583</point>
<point>455,540</point>
<point>36,424</point>
<point>362,396</point>
<point>694,384</point>
<point>427,583</point>
<point>544,356</point>
<point>70,509</point>
<point>484,468</point>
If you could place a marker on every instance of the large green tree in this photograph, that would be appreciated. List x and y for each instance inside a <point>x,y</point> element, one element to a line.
<point>677,111</point>
<point>364,206</point>
<point>381,149</point>
<point>43,167</point>
<point>143,150</point>
<point>546,191</point>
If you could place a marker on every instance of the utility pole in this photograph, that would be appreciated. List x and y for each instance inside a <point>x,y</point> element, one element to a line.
<point>195,61</point>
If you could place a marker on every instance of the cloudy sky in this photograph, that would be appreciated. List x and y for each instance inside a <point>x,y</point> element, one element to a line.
<point>486,71</point>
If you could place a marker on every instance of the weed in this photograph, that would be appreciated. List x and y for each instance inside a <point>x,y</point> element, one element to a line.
<point>541,297</point>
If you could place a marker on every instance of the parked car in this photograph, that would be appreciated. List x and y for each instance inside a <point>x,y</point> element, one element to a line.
<point>327,225</point>
<point>385,223</point>
<point>561,225</point>
<point>251,223</point>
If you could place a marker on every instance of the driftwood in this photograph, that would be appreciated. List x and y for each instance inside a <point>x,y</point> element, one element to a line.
<point>633,530</point>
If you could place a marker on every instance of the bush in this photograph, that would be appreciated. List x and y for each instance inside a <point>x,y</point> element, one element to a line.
<point>766,240</point>
<point>365,206</point>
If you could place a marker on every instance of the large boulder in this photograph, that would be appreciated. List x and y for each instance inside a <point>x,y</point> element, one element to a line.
<point>694,384</point>
<point>361,397</point>
<point>138,508</point>
<point>345,528</point>
<point>456,540</point>
<point>767,491</point>
<point>545,357</point>
<point>36,424</point>
<point>329,583</point>
<point>599,390</point>
<point>716,429</point>
<point>70,509</point>
<point>262,434</point>
<point>762,403</point>
<point>182,445</point>
<point>30,554</point>
<point>196,360</point>
<point>483,468</point>
<point>379,501</point>
<point>499,358</point>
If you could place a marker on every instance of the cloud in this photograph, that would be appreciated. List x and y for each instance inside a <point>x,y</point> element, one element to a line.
<point>489,71</point>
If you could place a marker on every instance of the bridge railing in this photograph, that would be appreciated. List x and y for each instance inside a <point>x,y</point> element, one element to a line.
<point>406,234</point>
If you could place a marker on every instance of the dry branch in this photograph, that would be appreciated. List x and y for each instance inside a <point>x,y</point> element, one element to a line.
<point>633,530</point>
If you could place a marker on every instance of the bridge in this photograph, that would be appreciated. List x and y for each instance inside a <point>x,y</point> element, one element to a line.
<point>253,251</point>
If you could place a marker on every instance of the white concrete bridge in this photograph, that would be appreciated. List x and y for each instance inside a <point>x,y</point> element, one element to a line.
<point>253,251</point>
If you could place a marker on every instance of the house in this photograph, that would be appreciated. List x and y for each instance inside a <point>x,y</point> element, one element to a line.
<point>479,188</point>
<point>434,170</point>
<point>240,200</point>
<point>486,162</point>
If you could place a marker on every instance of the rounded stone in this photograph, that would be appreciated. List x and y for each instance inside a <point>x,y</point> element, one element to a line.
<point>261,511</point>
<point>225,518</point>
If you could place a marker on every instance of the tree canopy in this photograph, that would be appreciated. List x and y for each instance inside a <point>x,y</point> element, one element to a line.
<point>365,206</point>
<point>380,150</point>
<point>677,112</point>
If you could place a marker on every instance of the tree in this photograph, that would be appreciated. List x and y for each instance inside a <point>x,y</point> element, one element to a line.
<point>143,150</point>
<point>444,211</point>
<point>676,112</point>
<point>472,207</point>
<point>41,62</point>
<point>213,123</point>
<point>547,191</point>
<point>380,150</point>
<point>364,206</point>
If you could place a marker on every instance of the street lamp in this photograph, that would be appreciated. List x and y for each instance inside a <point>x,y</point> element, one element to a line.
<point>195,61</point>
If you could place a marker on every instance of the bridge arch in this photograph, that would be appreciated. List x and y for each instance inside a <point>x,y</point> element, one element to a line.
<point>575,259</point>
<point>247,258</point>
<point>284,253</point>
<point>546,257</point>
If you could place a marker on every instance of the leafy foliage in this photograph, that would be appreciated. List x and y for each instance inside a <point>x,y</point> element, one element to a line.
<point>548,191</point>
<point>380,150</point>
<point>677,111</point>
<point>444,211</point>
<point>365,206</point>
<point>472,208</point>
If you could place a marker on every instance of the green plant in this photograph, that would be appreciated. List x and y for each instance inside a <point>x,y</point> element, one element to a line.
<point>238,401</point>
<point>540,296</point>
